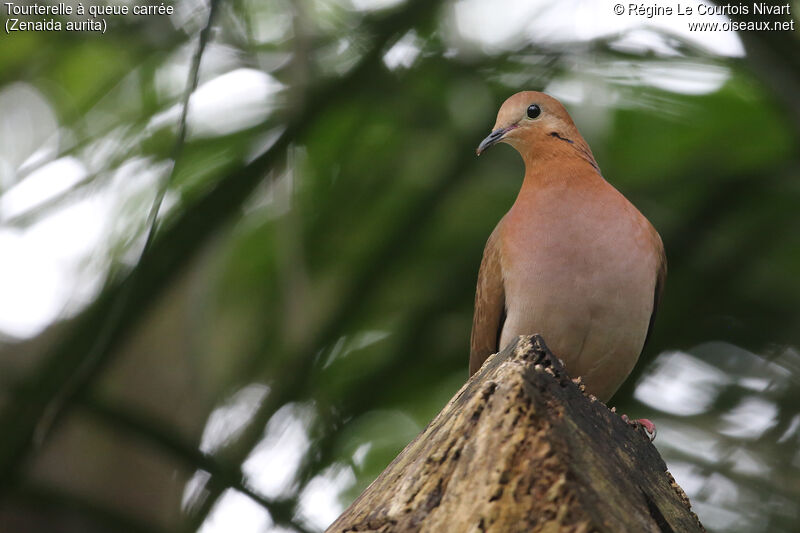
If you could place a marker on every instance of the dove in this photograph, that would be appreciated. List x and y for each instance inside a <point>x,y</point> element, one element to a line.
<point>572,259</point>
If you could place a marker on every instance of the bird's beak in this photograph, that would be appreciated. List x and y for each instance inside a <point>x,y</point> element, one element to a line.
<point>495,137</point>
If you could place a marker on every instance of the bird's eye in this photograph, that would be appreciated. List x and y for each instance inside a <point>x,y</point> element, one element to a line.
<point>534,111</point>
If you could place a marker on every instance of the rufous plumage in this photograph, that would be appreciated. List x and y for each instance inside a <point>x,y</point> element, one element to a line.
<point>572,260</point>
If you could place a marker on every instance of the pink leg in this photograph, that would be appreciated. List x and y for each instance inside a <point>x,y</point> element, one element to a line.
<point>648,426</point>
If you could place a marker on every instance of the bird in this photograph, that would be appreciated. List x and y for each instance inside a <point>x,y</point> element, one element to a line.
<point>572,260</point>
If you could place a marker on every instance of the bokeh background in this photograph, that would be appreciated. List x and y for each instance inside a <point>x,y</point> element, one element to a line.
<point>303,307</point>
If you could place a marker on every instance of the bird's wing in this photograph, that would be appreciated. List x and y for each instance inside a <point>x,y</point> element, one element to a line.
<point>490,305</point>
<point>661,278</point>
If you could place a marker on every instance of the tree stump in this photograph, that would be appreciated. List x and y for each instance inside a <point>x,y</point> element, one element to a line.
<point>521,448</point>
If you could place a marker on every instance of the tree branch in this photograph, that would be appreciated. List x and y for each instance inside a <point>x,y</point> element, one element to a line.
<point>521,448</point>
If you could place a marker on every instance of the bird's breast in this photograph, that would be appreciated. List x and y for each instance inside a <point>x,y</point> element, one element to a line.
<point>580,269</point>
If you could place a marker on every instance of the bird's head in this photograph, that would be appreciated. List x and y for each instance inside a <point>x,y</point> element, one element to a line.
<point>529,121</point>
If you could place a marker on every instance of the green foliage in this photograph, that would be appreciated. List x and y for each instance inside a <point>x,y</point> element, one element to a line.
<point>329,253</point>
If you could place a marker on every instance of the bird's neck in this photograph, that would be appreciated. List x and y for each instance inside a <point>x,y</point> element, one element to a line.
<point>558,159</point>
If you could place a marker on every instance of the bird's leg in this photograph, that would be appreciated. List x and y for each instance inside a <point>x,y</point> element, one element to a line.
<point>648,426</point>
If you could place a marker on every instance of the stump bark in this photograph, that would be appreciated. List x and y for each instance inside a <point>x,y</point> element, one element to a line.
<point>521,448</point>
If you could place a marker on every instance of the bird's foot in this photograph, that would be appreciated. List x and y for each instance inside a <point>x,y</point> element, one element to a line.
<point>644,423</point>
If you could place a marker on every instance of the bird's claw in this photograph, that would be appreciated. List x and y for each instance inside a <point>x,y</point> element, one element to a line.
<point>648,426</point>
